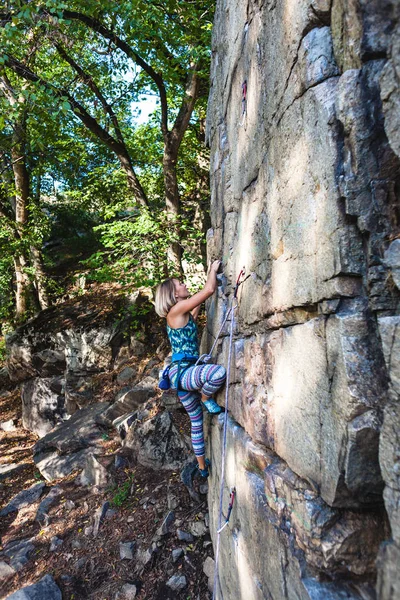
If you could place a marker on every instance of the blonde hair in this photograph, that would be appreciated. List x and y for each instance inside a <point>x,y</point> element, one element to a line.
<point>165,297</point>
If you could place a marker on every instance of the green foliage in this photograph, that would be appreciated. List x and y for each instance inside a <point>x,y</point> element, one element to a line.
<point>6,290</point>
<point>81,207</point>
<point>122,492</point>
<point>135,249</point>
<point>3,353</point>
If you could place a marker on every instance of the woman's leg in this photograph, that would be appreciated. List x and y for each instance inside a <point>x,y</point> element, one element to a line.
<point>190,401</point>
<point>206,378</point>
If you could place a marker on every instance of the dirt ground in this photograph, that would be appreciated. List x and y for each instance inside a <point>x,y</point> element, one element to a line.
<point>87,567</point>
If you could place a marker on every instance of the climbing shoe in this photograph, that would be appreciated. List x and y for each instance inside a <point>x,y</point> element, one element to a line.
<point>204,472</point>
<point>212,406</point>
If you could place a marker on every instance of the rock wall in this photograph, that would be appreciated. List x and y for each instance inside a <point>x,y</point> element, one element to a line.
<point>55,357</point>
<point>303,125</point>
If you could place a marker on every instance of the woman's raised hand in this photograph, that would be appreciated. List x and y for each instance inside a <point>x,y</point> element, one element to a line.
<point>213,266</point>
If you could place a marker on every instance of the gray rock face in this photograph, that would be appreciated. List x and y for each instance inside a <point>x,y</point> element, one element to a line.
<point>157,443</point>
<point>43,404</point>
<point>23,498</point>
<point>390,91</point>
<point>56,355</point>
<point>128,400</point>
<point>67,447</point>
<point>304,193</point>
<point>18,552</point>
<point>45,589</point>
<point>275,507</point>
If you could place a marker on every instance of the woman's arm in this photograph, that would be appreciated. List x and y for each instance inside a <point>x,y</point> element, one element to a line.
<point>193,303</point>
<point>195,312</point>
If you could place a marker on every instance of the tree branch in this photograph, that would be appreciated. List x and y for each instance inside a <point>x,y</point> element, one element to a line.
<point>114,145</point>
<point>126,48</point>
<point>88,80</point>
<point>186,109</point>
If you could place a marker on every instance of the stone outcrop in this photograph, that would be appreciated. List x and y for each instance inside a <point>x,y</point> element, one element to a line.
<point>56,356</point>
<point>156,442</point>
<point>303,130</point>
<point>71,445</point>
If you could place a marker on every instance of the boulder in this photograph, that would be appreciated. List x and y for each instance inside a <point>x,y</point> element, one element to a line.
<point>56,354</point>
<point>97,471</point>
<point>177,582</point>
<point>127,401</point>
<point>43,404</point>
<point>66,448</point>
<point>127,550</point>
<point>10,469</point>
<point>23,498</point>
<point>19,552</point>
<point>5,570</point>
<point>127,592</point>
<point>165,526</point>
<point>46,503</point>
<point>8,425</point>
<point>44,589</point>
<point>157,443</point>
<point>127,374</point>
<point>209,571</point>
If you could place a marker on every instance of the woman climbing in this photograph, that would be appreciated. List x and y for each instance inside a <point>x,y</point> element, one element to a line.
<point>181,310</point>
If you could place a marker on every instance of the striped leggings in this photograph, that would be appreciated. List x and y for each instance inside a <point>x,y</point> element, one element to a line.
<point>204,378</point>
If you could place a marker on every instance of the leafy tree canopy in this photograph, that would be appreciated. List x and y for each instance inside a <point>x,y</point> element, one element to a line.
<point>81,179</point>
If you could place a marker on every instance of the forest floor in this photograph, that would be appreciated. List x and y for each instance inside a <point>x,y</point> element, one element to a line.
<point>87,567</point>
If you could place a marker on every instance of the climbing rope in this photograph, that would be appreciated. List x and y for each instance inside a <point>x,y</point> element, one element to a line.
<point>234,306</point>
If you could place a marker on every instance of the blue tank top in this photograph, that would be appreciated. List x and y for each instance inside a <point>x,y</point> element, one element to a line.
<point>184,339</point>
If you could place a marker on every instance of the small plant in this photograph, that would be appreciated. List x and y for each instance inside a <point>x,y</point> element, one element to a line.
<point>3,352</point>
<point>121,493</point>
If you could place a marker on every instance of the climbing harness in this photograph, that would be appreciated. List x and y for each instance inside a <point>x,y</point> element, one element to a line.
<point>177,359</point>
<point>241,279</point>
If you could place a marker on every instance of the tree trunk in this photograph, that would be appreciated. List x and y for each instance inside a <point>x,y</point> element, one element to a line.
<point>133,182</point>
<point>21,288</point>
<point>172,203</point>
<point>21,179</point>
<point>40,278</point>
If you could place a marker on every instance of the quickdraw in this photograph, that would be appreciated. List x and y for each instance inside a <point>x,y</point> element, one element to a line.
<point>228,516</point>
<point>244,102</point>
<point>244,96</point>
